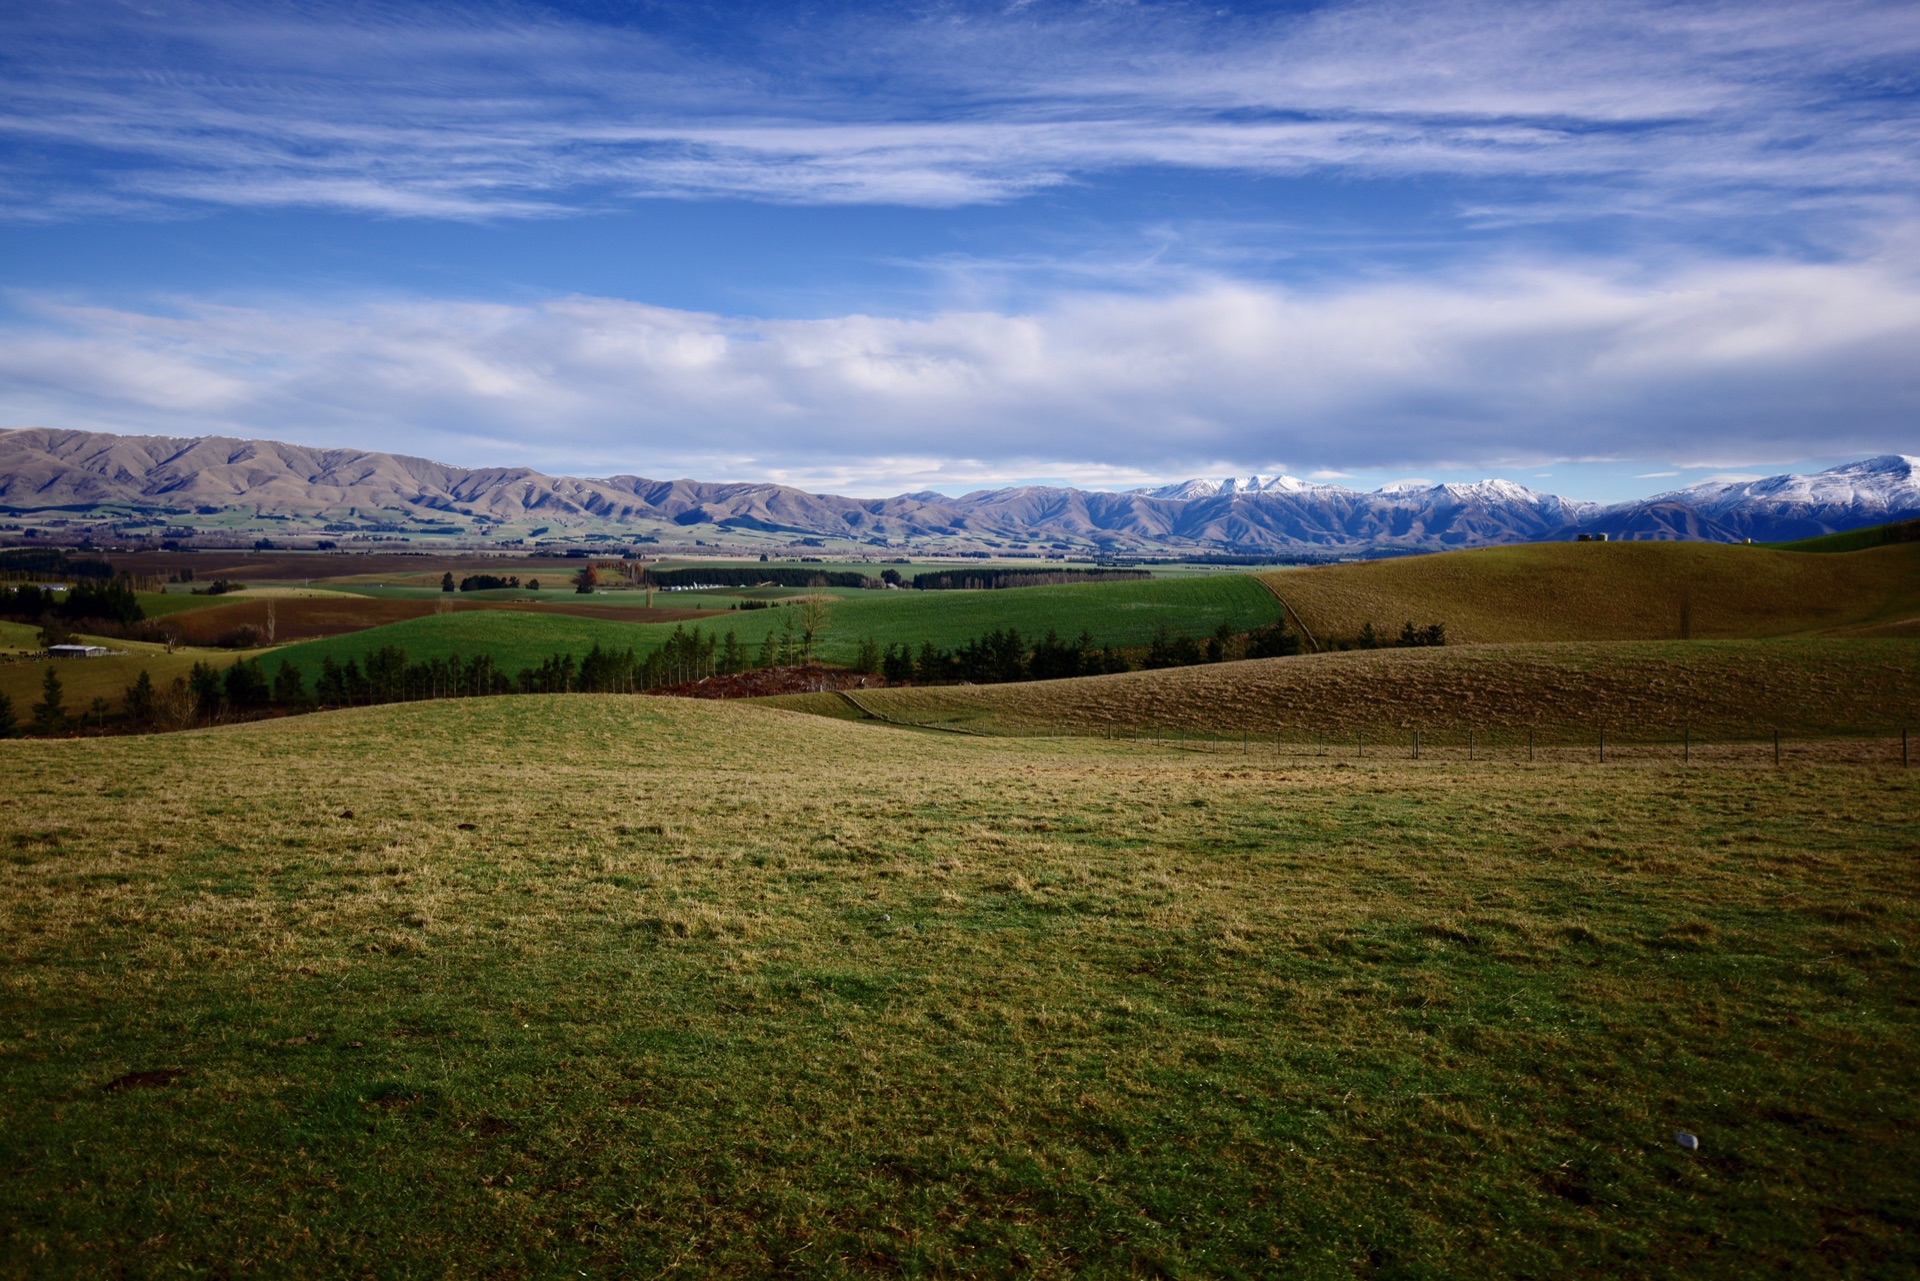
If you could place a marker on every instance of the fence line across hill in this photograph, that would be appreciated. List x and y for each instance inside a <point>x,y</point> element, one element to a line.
<point>1537,745</point>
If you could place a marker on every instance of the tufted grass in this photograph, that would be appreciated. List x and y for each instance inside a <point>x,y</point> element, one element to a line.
<point>713,989</point>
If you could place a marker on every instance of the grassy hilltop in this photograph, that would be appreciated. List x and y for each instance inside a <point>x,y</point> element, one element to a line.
<point>618,986</point>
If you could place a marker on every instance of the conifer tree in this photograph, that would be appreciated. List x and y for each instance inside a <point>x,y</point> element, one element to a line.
<point>139,699</point>
<point>50,713</point>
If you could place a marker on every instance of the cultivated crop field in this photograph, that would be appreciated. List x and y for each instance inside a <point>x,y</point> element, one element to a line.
<point>618,986</point>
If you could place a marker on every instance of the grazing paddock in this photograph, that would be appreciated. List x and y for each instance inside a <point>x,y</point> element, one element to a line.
<point>558,985</point>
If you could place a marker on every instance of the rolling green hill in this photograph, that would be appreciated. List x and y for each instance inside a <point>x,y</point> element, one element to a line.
<point>1612,591</point>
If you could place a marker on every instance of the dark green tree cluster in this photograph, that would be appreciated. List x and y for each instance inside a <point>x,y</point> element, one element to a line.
<point>947,580</point>
<point>1001,656</point>
<point>1273,641</point>
<point>385,676</point>
<point>109,601</point>
<point>1410,637</point>
<point>1171,651</point>
<point>481,582</point>
<point>48,562</point>
<point>754,576</point>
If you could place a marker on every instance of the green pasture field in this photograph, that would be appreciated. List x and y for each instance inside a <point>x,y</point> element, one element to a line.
<point>1637,691</point>
<point>1611,591</point>
<point>561,986</point>
<point>19,638</point>
<point>157,605</point>
<point>1127,614</point>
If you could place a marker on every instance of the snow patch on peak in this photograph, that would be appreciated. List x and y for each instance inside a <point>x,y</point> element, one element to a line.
<point>1257,483</point>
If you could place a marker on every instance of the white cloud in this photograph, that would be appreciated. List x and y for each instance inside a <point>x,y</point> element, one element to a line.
<point>518,114</point>
<point>1521,364</point>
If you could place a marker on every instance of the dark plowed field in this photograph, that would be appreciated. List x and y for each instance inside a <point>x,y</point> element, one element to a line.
<point>312,617</point>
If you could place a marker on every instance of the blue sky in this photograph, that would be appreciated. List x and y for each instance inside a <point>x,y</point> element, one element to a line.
<point>1600,248</point>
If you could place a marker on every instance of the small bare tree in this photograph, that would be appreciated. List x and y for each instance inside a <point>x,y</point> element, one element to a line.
<point>813,617</point>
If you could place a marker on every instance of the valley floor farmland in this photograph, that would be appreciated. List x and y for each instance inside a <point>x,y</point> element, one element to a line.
<point>637,986</point>
<point>1128,613</point>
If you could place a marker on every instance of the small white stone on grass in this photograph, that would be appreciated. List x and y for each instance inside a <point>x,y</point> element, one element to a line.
<point>1687,1142</point>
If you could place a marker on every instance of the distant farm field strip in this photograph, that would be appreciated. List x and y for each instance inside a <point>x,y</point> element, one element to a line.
<point>1611,591</point>
<point>310,617</point>
<point>1804,686</point>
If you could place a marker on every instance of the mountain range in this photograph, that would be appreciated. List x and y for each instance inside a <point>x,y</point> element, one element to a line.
<point>103,478</point>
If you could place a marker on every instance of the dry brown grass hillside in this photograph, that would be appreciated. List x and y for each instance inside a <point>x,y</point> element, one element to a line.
<point>1613,591</point>
<point>1813,686</point>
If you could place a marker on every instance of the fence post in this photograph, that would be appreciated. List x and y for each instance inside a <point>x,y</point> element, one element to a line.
<point>1416,745</point>
<point>1359,743</point>
<point>1529,743</point>
<point>1903,748</point>
<point>1686,745</point>
<point>1469,744</point>
<point>1776,747</point>
<point>1603,747</point>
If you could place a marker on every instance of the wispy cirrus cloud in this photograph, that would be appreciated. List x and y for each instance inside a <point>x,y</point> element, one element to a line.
<point>518,112</point>
<point>1523,363</point>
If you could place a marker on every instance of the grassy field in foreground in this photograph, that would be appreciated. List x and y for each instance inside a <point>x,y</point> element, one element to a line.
<point>622,986</point>
<point>1564,692</point>
<point>1126,613</point>
<point>1612,591</point>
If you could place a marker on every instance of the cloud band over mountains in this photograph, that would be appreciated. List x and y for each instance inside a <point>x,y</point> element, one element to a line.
<point>1731,362</point>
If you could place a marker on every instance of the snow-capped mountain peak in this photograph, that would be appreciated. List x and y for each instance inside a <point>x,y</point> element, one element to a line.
<point>1889,482</point>
<point>1257,483</point>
